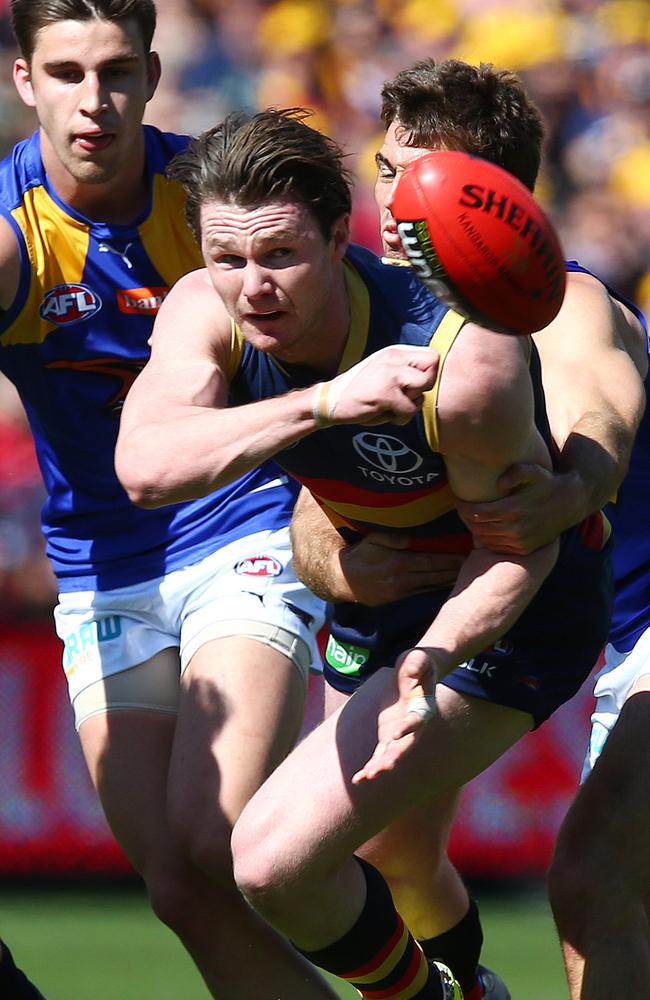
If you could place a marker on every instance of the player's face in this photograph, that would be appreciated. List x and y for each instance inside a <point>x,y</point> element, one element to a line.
<point>89,82</point>
<point>391,159</point>
<point>278,277</point>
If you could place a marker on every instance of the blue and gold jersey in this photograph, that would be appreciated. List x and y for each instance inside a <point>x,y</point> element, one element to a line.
<point>73,342</point>
<point>386,478</point>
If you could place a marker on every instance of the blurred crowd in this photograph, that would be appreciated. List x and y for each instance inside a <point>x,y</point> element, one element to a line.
<point>585,62</point>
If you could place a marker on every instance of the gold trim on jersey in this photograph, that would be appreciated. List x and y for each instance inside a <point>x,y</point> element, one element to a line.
<point>443,337</point>
<point>57,246</point>
<point>405,515</point>
<point>165,236</point>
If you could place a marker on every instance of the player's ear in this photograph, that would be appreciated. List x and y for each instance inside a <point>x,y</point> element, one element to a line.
<point>23,82</point>
<point>341,236</point>
<point>154,71</point>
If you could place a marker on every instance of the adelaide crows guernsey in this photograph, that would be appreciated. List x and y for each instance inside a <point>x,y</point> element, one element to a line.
<point>389,478</point>
<point>73,342</point>
<point>630,518</point>
<point>393,478</point>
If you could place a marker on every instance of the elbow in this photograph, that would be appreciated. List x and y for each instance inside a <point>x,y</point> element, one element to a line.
<point>139,479</point>
<point>141,491</point>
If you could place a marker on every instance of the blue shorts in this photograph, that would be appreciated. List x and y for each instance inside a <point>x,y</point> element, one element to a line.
<point>536,666</point>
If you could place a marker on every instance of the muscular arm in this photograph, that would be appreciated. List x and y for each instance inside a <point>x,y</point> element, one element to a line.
<point>594,359</point>
<point>179,439</point>
<point>486,417</point>
<point>485,413</point>
<point>373,571</point>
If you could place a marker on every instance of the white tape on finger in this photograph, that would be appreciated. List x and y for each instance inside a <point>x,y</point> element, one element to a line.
<point>423,706</point>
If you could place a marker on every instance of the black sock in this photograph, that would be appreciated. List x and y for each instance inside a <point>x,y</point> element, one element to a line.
<point>378,955</point>
<point>14,984</point>
<point>459,947</point>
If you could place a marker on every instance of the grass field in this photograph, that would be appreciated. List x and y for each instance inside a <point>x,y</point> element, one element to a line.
<point>104,945</point>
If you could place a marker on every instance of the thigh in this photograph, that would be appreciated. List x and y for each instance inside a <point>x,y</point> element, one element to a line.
<point>308,815</point>
<point>104,633</point>
<point>127,751</point>
<point>240,712</point>
<point>610,816</point>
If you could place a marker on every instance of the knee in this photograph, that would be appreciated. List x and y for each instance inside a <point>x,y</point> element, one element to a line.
<point>205,843</point>
<point>261,869</point>
<point>175,894</point>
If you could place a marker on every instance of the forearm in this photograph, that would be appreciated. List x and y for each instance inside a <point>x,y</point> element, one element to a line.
<point>198,449</point>
<point>490,595</point>
<point>316,548</point>
<point>594,460</point>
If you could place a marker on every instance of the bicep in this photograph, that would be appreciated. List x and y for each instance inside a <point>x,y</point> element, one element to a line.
<point>487,416</point>
<point>593,359</point>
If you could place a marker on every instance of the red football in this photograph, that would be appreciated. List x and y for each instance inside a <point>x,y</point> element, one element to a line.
<point>476,236</point>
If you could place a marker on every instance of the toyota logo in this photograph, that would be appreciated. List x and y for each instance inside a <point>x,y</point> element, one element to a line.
<point>386,453</point>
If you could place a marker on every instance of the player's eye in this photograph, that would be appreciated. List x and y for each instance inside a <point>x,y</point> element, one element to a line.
<point>385,173</point>
<point>68,75</point>
<point>229,259</point>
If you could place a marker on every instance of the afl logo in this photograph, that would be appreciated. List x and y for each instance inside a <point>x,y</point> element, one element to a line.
<point>66,304</point>
<point>259,566</point>
<point>386,453</point>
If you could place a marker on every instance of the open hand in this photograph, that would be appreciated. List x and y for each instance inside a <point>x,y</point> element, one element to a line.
<point>402,721</point>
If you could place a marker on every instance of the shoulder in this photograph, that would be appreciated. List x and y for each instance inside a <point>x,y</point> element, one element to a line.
<point>593,322</point>
<point>192,309</point>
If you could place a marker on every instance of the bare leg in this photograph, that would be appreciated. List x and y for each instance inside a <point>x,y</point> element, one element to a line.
<point>294,843</point>
<point>600,877</point>
<point>139,761</point>
<point>412,853</point>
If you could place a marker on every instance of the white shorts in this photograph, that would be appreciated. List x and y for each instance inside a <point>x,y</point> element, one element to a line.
<point>611,689</point>
<point>247,587</point>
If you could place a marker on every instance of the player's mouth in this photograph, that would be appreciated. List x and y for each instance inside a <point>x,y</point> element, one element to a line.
<point>260,318</point>
<point>390,237</point>
<point>94,142</point>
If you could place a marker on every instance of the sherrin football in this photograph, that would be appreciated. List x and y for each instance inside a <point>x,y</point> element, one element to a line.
<point>478,239</point>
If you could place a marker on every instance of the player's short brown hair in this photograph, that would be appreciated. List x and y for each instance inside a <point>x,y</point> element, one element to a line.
<point>476,109</point>
<point>29,16</point>
<point>252,159</point>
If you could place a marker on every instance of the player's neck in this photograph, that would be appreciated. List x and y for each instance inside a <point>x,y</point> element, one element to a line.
<point>331,342</point>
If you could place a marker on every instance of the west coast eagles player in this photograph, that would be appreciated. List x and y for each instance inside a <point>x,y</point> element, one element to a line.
<point>187,635</point>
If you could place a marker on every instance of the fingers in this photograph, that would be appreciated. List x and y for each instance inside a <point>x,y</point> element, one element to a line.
<point>373,767</point>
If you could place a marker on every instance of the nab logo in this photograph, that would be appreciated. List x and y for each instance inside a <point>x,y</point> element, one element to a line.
<point>141,300</point>
<point>66,304</point>
<point>258,566</point>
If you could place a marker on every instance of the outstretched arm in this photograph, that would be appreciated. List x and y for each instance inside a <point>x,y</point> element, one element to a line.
<point>594,359</point>
<point>179,439</point>
<point>486,423</point>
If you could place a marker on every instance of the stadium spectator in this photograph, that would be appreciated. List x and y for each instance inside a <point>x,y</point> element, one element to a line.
<point>274,248</point>
<point>169,621</point>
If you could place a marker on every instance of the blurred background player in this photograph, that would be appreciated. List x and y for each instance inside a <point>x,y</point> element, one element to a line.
<point>187,636</point>
<point>14,984</point>
<point>306,307</point>
<point>600,877</point>
<point>594,398</point>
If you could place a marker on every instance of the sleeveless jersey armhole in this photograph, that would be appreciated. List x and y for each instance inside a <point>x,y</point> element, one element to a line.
<point>443,337</point>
